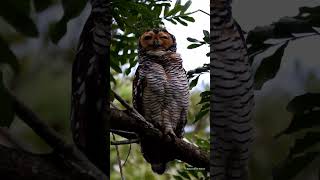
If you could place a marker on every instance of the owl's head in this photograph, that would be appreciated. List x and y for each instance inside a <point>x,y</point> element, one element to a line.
<point>157,39</point>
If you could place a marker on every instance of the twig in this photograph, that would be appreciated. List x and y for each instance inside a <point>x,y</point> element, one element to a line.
<point>118,157</point>
<point>127,156</point>
<point>199,70</point>
<point>129,141</point>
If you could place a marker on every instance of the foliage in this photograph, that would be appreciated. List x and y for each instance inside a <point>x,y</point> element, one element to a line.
<point>306,149</point>
<point>133,19</point>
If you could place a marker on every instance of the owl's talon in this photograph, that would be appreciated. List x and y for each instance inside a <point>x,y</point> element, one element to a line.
<point>169,135</point>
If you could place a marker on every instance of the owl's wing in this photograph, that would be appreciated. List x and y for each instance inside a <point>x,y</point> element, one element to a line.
<point>138,85</point>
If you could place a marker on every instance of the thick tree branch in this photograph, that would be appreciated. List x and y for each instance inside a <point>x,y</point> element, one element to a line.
<point>18,164</point>
<point>69,152</point>
<point>183,150</point>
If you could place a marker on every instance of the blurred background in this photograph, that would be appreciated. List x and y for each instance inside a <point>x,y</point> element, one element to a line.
<point>43,81</point>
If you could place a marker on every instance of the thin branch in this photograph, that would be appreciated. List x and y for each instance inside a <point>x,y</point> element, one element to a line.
<point>118,158</point>
<point>199,70</point>
<point>127,156</point>
<point>124,142</point>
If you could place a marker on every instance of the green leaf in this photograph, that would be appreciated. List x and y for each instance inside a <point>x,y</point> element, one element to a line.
<point>186,6</point>
<point>192,46</point>
<point>177,177</point>
<point>181,22</point>
<point>174,11</point>
<point>41,5</point>
<point>17,14</point>
<point>188,18</point>
<point>172,21</point>
<point>166,11</point>
<point>206,39</point>
<point>292,167</point>
<point>269,67</point>
<point>204,99</point>
<point>192,39</point>
<point>71,10</point>
<point>184,174</point>
<point>6,106</point>
<point>300,145</point>
<point>7,56</point>
<point>205,106</point>
<point>115,66</point>
<point>194,82</point>
<point>206,33</point>
<point>200,115</point>
<point>178,2</point>
<point>205,94</point>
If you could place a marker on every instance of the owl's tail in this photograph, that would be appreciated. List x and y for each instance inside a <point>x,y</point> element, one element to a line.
<point>159,168</point>
<point>156,154</point>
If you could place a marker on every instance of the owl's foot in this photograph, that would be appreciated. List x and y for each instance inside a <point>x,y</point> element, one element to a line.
<point>169,135</point>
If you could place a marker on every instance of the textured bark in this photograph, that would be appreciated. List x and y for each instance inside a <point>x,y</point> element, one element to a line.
<point>178,148</point>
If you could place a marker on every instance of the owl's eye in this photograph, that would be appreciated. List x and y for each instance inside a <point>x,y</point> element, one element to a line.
<point>147,37</point>
<point>164,37</point>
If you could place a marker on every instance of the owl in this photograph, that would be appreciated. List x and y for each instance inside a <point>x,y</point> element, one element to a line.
<point>160,92</point>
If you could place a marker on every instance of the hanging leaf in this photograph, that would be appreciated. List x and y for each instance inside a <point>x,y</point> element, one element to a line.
<point>269,67</point>
<point>292,167</point>
<point>194,82</point>
<point>7,56</point>
<point>6,106</point>
<point>200,115</point>
<point>181,22</point>
<point>17,14</point>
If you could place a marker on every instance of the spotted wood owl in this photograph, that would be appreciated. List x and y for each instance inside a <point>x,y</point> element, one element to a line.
<point>160,92</point>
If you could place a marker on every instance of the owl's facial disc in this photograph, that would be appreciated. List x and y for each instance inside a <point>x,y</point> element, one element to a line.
<point>156,40</point>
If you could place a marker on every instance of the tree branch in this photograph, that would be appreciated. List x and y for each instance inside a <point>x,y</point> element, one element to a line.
<point>19,164</point>
<point>70,152</point>
<point>199,70</point>
<point>184,151</point>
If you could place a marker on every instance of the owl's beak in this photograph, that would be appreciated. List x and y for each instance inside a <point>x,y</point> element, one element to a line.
<point>156,44</point>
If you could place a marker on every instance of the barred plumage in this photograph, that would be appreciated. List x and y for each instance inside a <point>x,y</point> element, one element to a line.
<point>90,83</point>
<point>232,100</point>
<point>161,95</point>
